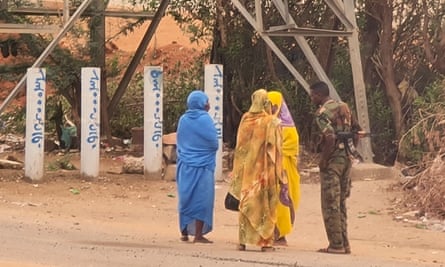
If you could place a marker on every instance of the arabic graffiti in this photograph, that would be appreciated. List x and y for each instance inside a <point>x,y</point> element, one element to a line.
<point>218,87</point>
<point>156,76</point>
<point>39,116</point>
<point>93,123</point>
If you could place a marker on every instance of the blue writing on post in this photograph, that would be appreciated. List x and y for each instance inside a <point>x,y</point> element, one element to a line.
<point>156,136</point>
<point>218,86</point>
<point>38,125</point>
<point>93,125</point>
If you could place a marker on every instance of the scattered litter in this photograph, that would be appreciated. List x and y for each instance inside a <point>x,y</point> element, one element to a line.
<point>75,191</point>
<point>23,204</point>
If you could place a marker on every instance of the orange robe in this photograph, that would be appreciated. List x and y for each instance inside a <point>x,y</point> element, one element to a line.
<point>256,175</point>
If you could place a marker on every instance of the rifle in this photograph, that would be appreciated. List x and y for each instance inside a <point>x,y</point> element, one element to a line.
<point>347,139</point>
<point>346,135</point>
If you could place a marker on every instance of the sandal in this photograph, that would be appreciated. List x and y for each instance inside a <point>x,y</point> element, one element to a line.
<point>332,250</point>
<point>241,247</point>
<point>185,238</point>
<point>202,240</point>
<point>280,242</point>
<point>267,249</point>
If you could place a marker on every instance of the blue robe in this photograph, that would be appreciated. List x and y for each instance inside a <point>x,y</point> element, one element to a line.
<point>197,143</point>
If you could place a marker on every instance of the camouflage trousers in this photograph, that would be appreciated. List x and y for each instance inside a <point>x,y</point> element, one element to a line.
<point>335,188</point>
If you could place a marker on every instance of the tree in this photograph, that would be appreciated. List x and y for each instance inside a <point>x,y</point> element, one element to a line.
<point>400,58</point>
<point>433,32</point>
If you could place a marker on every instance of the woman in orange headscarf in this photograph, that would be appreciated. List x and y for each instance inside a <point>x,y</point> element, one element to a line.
<point>257,173</point>
<point>290,191</point>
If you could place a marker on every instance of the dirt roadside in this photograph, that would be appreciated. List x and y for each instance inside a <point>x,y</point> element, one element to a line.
<point>125,220</point>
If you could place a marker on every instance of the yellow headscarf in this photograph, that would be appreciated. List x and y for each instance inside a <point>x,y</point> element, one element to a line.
<point>280,109</point>
<point>276,99</point>
<point>260,102</point>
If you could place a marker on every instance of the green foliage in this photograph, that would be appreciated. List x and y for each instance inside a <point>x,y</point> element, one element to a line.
<point>379,111</point>
<point>177,89</point>
<point>342,73</point>
<point>13,121</point>
<point>299,105</point>
<point>426,137</point>
<point>63,163</point>
<point>195,16</point>
<point>51,110</point>
<point>178,83</point>
<point>130,111</point>
<point>380,120</point>
<point>113,67</point>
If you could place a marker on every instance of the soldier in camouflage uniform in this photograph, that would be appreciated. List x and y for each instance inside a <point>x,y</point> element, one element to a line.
<point>335,165</point>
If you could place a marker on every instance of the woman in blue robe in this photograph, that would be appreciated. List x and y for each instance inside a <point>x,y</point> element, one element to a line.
<point>197,143</point>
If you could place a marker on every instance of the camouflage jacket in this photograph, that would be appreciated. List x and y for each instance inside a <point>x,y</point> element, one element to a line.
<point>332,117</point>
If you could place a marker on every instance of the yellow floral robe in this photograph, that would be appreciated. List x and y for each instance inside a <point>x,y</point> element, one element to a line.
<point>256,173</point>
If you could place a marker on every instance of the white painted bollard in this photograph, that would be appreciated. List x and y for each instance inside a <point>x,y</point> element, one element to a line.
<point>153,90</point>
<point>213,87</point>
<point>35,123</point>
<point>90,123</point>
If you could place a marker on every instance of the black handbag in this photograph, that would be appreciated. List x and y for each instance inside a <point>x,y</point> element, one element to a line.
<point>231,203</point>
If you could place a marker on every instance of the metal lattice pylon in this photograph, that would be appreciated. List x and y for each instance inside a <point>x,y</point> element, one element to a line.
<point>344,10</point>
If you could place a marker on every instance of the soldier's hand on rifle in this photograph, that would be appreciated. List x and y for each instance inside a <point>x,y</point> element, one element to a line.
<point>361,134</point>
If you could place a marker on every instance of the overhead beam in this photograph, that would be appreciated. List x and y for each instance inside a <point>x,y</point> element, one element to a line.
<point>140,52</point>
<point>28,28</point>
<point>344,10</point>
<point>338,8</point>
<point>257,25</point>
<point>88,13</point>
<point>292,31</point>
<point>46,52</point>
<point>307,50</point>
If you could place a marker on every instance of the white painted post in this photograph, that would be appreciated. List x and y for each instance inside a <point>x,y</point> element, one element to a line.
<point>90,123</point>
<point>213,87</point>
<point>35,123</point>
<point>153,89</point>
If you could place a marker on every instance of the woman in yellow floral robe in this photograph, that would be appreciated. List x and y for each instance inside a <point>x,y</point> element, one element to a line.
<point>290,191</point>
<point>256,173</point>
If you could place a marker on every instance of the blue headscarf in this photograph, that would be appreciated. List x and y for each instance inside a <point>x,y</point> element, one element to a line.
<point>197,100</point>
<point>197,140</point>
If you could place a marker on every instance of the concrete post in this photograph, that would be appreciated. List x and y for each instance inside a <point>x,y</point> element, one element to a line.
<point>90,123</point>
<point>213,86</point>
<point>35,123</point>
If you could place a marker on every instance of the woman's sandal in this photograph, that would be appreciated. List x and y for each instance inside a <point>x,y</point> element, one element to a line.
<point>267,249</point>
<point>280,242</point>
<point>333,250</point>
<point>241,247</point>
<point>185,238</point>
